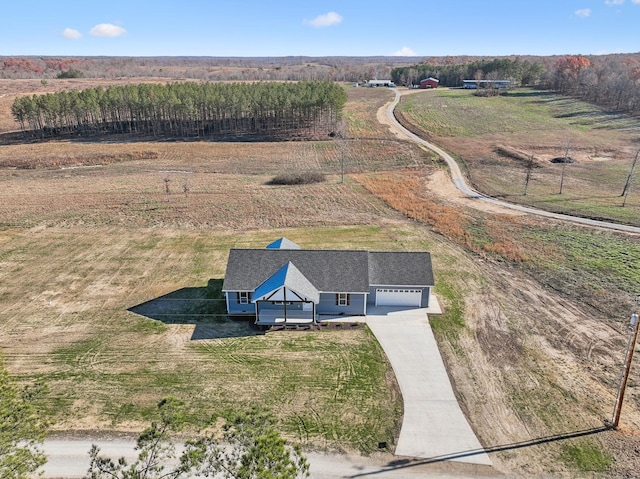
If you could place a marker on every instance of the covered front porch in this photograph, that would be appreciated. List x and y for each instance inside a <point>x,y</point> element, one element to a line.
<point>287,297</point>
<point>269,316</point>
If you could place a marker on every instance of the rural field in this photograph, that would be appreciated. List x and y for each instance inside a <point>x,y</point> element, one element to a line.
<point>495,137</point>
<point>112,255</point>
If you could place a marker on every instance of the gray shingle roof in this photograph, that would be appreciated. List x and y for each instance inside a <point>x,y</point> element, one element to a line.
<point>329,270</point>
<point>400,268</point>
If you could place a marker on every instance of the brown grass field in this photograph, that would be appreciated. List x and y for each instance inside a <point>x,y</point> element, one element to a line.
<point>533,332</point>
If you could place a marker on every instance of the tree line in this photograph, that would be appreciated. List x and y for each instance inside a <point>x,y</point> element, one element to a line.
<point>609,81</point>
<point>187,110</point>
<point>520,72</point>
<point>290,68</point>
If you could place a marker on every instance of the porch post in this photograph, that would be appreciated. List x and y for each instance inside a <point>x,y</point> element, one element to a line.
<point>284,292</point>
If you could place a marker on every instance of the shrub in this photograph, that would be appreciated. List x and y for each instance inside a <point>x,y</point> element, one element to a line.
<point>303,178</point>
<point>70,74</point>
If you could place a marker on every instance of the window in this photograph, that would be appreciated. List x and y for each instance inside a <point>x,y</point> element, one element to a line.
<point>244,297</point>
<point>342,299</point>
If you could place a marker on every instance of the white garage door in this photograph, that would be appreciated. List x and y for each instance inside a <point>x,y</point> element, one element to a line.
<point>398,297</point>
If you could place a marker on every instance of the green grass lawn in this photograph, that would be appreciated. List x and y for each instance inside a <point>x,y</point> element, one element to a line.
<point>69,324</point>
<point>459,113</point>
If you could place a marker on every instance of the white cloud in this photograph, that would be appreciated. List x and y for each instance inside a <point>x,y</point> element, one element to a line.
<point>325,20</point>
<point>405,52</point>
<point>611,3</point>
<point>637,2</point>
<point>71,33</point>
<point>583,13</point>
<point>107,30</point>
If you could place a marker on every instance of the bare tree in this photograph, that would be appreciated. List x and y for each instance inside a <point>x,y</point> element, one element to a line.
<point>167,190</point>
<point>186,188</point>
<point>251,448</point>
<point>341,134</point>
<point>529,165</point>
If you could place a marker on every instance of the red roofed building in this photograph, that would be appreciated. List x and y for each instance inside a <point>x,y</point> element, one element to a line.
<point>429,83</point>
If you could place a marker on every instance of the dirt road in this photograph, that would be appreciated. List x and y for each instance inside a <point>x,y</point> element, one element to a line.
<point>69,458</point>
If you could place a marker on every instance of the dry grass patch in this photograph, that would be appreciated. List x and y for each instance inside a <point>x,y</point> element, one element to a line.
<point>144,187</point>
<point>406,192</point>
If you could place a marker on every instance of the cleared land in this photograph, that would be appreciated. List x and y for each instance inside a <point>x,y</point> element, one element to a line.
<point>114,282</point>
<point>495,136</point>
<point>533,332</point>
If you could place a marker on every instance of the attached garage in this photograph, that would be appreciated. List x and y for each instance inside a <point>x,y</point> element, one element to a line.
<point>398,297</point>
<point>284,283</point>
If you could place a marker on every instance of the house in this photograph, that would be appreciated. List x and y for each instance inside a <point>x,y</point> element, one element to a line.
<point>376,83</point>
<point>474,84</point>
<point>283,283</point>
<point>429,83</point>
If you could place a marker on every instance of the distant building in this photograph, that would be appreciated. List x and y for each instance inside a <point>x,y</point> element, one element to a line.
<point>376,83</point>
<point>429,83</point>
<point>473,84</point>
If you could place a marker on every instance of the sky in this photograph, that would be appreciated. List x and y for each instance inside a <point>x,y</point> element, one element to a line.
<point>268,28</point>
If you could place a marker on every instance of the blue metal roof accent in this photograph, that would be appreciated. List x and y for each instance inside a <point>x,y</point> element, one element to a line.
<point>283,243</point>
<point>290,280</point>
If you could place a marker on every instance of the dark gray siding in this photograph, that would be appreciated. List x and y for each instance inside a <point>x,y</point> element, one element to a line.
<point>237,308</point>
<point>424,302</point>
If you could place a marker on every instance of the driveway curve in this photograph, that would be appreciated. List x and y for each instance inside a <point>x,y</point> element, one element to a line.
<point>458,180</point>
<point>433,426</point>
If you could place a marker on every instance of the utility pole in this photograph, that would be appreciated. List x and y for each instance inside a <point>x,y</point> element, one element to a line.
<point>625,191</point>
<point>565,160</point>
<point>633,336</point>
<point>342,147</point>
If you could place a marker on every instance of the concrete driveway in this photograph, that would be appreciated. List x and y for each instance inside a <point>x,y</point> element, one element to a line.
<point>433,425</point>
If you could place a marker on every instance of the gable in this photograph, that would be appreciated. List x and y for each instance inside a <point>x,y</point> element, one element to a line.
<point>287,282</point>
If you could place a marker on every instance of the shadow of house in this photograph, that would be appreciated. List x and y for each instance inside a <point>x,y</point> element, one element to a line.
<point>204,307</point>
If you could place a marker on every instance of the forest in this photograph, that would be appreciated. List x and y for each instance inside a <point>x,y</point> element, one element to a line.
<point>522,72</point>
<point>262,110</point>
<point>609,81</point>
<point>290,97</point>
